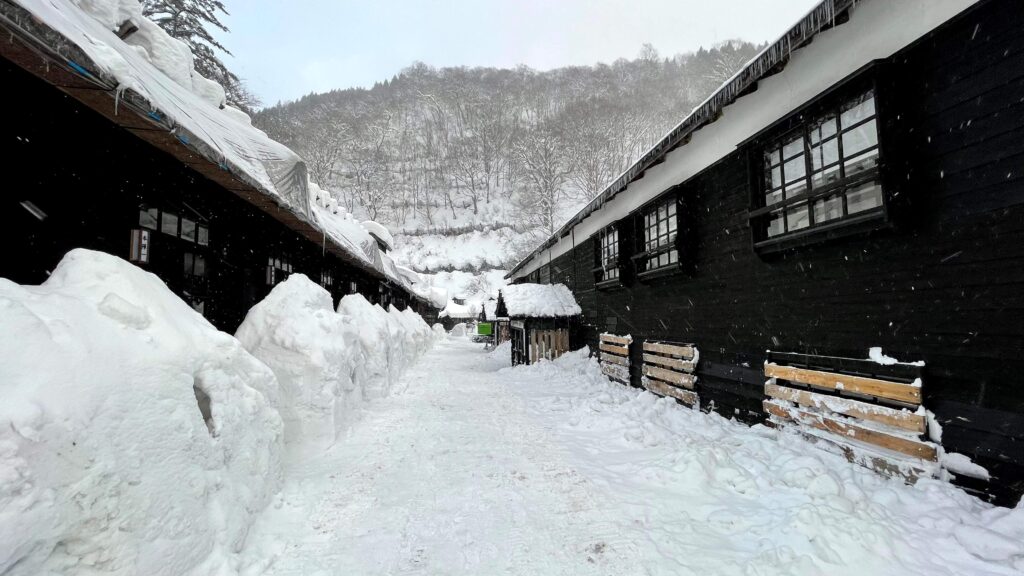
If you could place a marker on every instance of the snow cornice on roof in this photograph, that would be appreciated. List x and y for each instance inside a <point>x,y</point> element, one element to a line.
<point>768,61</point>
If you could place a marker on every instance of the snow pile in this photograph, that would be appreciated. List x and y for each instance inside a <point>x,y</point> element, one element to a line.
<point>328,363</point>
<point>379,232</point>
<point>134,437</point>
<point>311,349</point>
<point>757,500</point>
<point>539,300</point>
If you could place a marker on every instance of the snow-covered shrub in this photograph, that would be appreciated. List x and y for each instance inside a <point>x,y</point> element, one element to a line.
<point>135,438</point>
<point>312,350</point>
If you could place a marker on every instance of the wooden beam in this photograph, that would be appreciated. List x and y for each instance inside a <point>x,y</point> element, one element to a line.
<point>685,352</point>
<point>620,350</point>
<point>686,380</point>
<point>903,419</point>
<point>673,363</point>
<point>613,339</point>
<point>622,360</point>
<point>663,389</point>
<point>620,373</point>
<point>904,393</point>
<point>849,431</point>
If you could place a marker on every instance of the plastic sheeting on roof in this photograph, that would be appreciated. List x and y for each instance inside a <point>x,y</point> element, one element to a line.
<point>160,69</point>
<point>539,301</point>
<point>380,232</point>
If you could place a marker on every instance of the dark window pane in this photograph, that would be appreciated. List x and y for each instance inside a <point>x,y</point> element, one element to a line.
<point>864,197</point>
<point>202,235</point>
<point>793,147</point>
<point>148,218</point>
<point>796,217</point>
<point>795,169</point>
<point>860,138</point>
<point>188,230</point>
<point>828,209</point>
<point>775,224</point>
<point>200,266</point>
<point>169,224</point>
<point>858,110</point>
<point>827,153</point>
<point>865,161</point>
<point>189,258</point>
<point>825,129</point>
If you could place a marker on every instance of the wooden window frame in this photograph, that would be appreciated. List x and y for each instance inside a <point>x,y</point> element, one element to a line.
<point>832,104</point>
<point>608,251</point>
<point>644,252</point>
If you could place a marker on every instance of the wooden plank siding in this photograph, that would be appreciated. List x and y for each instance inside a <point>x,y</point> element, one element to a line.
<point>943,282</point>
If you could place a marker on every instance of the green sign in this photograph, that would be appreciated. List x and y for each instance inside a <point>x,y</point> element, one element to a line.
<point>484,329</point>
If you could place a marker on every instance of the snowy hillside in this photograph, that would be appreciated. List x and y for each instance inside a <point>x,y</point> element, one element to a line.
<point>472,167</point>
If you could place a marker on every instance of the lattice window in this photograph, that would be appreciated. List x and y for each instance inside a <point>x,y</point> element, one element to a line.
<point>825,171</point>
<point>661,227</point>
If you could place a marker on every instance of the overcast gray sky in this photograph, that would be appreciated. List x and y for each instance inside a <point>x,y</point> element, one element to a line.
<point>284,49</point>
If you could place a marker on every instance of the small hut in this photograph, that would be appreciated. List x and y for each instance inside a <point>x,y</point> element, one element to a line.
<point>539,317</point>
<point>498,325</point>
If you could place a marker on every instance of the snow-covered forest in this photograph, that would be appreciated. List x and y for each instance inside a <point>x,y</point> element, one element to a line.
<point>496,158</point>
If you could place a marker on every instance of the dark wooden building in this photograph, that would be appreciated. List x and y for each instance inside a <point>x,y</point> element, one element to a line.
<point>539,319</point>
<point>92,164</point>
<point>860,184</point>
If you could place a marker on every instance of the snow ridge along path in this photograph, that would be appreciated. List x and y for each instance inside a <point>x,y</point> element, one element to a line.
<point>476,468</point>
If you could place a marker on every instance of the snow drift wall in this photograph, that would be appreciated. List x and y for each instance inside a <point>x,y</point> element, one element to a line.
<point>135,438</point>
<point>327,362</point>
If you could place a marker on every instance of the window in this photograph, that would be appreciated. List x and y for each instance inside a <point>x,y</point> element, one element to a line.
<point>607,253</point>
<point>195,265</point>
<point>353,287</point>
<point>823,172</point>
<point>326,278</point>
<point>278,269</point>
<point>202,235</point>
<point>169,223</point>
<point>188,230</point>
<point>148,217</point>
<point>544,276</point>
<point>661,226</point>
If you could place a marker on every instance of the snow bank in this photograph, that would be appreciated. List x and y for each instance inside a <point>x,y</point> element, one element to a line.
<point>135,438</point>
<point>328,363</point>
<point>763,501</point>
<point>539,300</point>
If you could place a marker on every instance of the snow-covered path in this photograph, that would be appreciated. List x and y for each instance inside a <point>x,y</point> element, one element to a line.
<point>549,470</point>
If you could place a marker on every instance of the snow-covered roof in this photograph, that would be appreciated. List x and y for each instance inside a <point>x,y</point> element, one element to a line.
<point>539,301</point>
<point>380,233</point>
<point>875,29</point>
<point>491,310</point>
<point>453,310</point>
<point>151,68</point>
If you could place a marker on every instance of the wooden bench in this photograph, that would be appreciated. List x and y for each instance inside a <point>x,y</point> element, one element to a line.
<point>854,404</point>
<point>668,371</point>
<point>615,356</point>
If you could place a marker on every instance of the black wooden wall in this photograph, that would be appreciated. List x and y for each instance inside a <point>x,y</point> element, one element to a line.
<point>943,284</point>
<point>89,176</point>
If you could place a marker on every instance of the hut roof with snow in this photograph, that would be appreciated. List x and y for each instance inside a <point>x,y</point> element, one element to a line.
<point>537,301</point>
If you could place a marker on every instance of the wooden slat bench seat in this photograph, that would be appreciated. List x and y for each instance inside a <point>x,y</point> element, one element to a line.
<point>853,403</point>
<point>615,356</point>
<point>668,370</point>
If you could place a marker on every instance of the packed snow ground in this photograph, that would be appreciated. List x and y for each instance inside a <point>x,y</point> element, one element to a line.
<point>473,467</point>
